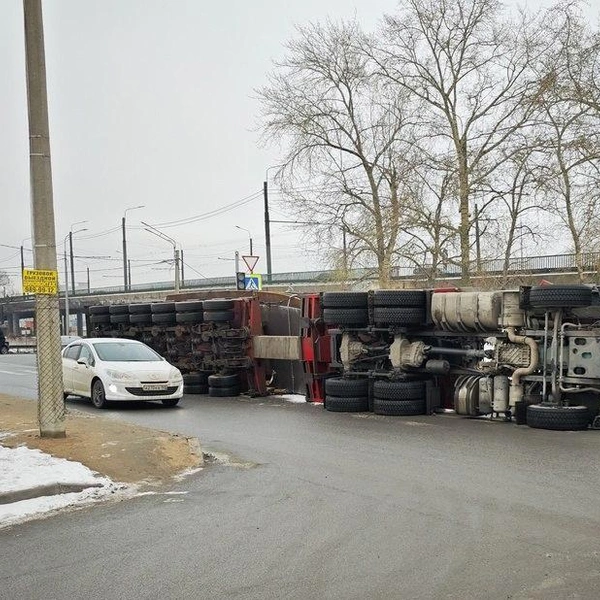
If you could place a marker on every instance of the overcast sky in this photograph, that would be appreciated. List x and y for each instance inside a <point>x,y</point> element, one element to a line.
<point>151,102</point>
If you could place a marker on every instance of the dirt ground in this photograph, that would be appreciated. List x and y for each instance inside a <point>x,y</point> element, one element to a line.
<point>125,453</point>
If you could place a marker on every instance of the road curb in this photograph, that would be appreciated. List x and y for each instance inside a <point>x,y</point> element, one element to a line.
<point>50,489</point>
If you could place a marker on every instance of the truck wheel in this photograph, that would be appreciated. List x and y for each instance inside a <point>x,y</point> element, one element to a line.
<point>223,392</point>
<point>193,388</point>
<point>216,381</point>
<point>186,306</point>
<point>560,296</point>
<point>99,319</point>
<point>399,390</point>
<point>347,404</point>
<point>118,309</point>
<point>99,309</point>
<point>217,304</point>
<point>346,316</point>
<point>162,307</point>
<point>140,318</point>
<point>140,308</point>
<point>338,386</point>
<point>345,299</point>
<point>387,315</point>
<point>119,318</point>
<point>218,316</point>
<point>558,418</point>
<point>407,298</point>
<point>398,408</point>
<point>163,318</point>
<point>189,317</point>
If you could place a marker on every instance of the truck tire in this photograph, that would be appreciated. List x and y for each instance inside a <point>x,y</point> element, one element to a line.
<point>189,317</point>
<point>199,377</point>
<point>195,388</point>
<point>100,319</point>
<point>99,309</point>
<point>119,319</point>
<point>140,308</point>
<point>406,298</point>
<point>165,318</point>
<point>558,418</point>
<point>218,304</point>
<point>345,299</point>
<point>399,408</point>
<point>162,307</point>
<point>224,380</point>
<point>399,390</point>
<point>224,392</point>
<point>386,315</point>
<point>560,296</point>
<point>140,319</point>
<point>347,404</point>
<point>218,316</point>
<point>118,309</point>
<point>188,306</point>
<point>346,316</point>
<point>344,388</point>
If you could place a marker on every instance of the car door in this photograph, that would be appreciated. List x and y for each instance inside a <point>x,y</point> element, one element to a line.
<point>83,373</point>
<point>69,362</point>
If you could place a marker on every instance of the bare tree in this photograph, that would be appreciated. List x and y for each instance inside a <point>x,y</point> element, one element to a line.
<point>567,108</point>
<point>469,67</point>
<point>346,134</point>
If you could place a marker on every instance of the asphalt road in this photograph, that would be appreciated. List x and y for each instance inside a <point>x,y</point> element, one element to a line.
<point>323,505</point>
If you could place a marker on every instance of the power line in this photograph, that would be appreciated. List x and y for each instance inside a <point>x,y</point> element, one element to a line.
<point>213,213</point>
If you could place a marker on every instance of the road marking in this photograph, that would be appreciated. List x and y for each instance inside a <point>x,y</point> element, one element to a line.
<point>11,372</point>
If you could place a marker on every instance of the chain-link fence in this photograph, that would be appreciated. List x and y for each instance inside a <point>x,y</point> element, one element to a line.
<point>51,403</point>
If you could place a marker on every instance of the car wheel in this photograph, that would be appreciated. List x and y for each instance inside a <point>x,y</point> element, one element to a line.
<point>98,394</point>
<point>4,350</point>
<point>170,402</point>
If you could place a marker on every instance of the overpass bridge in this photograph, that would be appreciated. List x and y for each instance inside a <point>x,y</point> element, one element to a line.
<point>559,268</point>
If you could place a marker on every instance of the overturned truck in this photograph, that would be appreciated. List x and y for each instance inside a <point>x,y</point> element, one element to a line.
<point>530,355</point>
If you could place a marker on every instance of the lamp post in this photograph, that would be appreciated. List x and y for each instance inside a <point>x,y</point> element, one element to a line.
<point>69,236</point>
<point>126,281</point>
<point>166,238</point>
<point>249,237</point>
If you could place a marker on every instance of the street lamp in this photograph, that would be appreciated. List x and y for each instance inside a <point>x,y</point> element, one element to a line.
<point>166,238</point>
<point>249,237</point>
<point>69,236</point>
<point>126,281</point>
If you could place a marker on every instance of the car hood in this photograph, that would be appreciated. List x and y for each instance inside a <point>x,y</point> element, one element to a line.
<point>146,371</point>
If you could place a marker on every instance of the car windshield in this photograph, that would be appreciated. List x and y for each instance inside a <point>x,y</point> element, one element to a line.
<point>122,352</point>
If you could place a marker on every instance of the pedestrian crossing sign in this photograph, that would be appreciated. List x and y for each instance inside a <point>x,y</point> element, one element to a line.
<point>253,282</point>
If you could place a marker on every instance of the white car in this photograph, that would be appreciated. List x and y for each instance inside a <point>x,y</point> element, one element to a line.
<point>108,369</point>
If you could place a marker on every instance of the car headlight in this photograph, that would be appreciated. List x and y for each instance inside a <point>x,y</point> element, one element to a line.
<point>175,375</point>
<point>119,375</point>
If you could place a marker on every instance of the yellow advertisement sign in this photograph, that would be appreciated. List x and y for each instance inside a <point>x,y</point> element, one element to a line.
<point>38,281</point>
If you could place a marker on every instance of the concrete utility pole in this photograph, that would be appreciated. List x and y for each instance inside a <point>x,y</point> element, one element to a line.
<point>267,229</point>
<point>51,405</point>
<point>126,272</point>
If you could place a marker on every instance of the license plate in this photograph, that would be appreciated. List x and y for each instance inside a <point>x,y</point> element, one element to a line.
<point>153,387</point>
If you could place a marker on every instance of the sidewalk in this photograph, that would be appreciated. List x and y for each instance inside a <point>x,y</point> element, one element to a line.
<point>106,456</point>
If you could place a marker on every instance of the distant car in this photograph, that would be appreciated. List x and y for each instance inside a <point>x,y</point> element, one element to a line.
<point>115,369</point>
<point>65,340</point>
